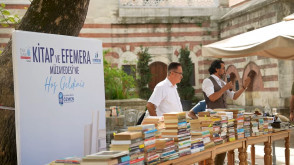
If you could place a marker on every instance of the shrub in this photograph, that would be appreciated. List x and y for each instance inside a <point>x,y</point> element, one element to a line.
<point>144,75</point>
<point>185,89</point>
<point>118,84</point>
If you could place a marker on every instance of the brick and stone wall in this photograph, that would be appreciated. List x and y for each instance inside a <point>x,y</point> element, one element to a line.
<point>274,77</point>
<point>164,30</point>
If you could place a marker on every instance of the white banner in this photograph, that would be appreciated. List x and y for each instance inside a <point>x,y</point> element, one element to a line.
<point>59,96</point>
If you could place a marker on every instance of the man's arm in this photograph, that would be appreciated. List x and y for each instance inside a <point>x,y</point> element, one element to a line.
<point>218,94</point>
<point>151,108</point>
<point>240,91</point>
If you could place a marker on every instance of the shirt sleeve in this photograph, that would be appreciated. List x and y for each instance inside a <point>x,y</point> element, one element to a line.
<point>230,94</point>
<point>292,91</point>
<point>207,87</point>
<point>157,96</point>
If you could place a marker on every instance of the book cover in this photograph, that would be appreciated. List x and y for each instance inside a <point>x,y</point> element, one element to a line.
<point>127,135</point>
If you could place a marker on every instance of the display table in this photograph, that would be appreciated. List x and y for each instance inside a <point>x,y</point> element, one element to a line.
<point>241,145</point>
<point>267,140</point>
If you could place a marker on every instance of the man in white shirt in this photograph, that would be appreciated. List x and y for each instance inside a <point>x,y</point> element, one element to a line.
<point>213,96</point>
<point>215,91</point>
<point>165,97</point>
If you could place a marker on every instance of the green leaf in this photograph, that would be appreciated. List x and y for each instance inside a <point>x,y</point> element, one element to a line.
<point>11,19</point>
<point>4,25</point>
<point>5,12</point>
<point>3,5</point>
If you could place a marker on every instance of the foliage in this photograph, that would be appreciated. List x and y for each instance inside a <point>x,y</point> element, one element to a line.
<point>118,84</point>
<point>6,18</point>
<point>186,90</point>
<point>144,76</point>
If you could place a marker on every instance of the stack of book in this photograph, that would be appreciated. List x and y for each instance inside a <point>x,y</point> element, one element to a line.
<point>207,134</point>
<point>157,121</point>
<point>265,125</point>
<point>231,130</point>
<point>203,116</point>
<point>254,128</point>
<point>206,128</point>
<point>195,128</point>
<point>247,123</point>
<point>227,125</point>
<point>132,142</point>
<point>176,127</point>
<point>206,137</point>
<point>167,149</point>
<point>260,125</point>
<point>239,126</point>
<point>217,129</point>
<point>148,131</point>
<point>269,120</point>
<point>107,158</point>
<point>197,144</point>
<point>224,125</point>
<point>232,125</point>
<point>183,146</point>
<point>206,121</point>
<point>67,161</point>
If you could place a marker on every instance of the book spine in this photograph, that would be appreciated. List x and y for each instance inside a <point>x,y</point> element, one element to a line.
<point>125,158</point>
<point>137,160</point>
<point>150,131</point>
<point>124,163</point>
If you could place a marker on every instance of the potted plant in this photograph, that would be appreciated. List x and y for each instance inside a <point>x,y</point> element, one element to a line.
<point>185,89</point>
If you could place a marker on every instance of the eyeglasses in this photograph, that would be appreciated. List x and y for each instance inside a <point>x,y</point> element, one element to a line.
<point>178,72</point>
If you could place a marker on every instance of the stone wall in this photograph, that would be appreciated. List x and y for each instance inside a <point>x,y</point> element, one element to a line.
<point>276,76</point>
<point>163,30</point>
<point>166,30</point>
<point>137,104</point>
<point>253,15</point>
<point>132,110</point>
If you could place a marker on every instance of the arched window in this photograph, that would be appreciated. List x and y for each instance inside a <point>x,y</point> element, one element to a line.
<point>234,77</point>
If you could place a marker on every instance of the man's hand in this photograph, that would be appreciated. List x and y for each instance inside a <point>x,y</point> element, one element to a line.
<point>247,82</point>
<point>228,86</point>
<point>241,90</point>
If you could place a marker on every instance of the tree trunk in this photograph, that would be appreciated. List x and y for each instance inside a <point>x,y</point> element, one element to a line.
<point>7,140</point>
<point>64,17</point>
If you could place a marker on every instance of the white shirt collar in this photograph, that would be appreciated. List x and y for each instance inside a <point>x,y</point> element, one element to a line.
<point>169,83</point>
<point>215,77</point>
<point>220,81</point>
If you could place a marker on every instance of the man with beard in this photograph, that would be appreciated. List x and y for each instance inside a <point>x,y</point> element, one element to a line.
<point>216,90</point>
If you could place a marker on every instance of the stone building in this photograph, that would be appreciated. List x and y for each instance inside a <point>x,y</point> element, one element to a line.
<point>166,26</point>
